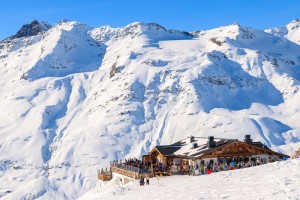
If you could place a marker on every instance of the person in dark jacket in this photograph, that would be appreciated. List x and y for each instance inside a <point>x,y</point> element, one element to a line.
<point>142,182</point>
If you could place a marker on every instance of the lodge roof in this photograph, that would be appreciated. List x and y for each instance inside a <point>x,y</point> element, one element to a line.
<point>168,150</point>
<point>219,144</point>
<point>186,148</point>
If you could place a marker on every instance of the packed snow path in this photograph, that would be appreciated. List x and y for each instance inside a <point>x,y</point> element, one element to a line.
<point>280,180</point>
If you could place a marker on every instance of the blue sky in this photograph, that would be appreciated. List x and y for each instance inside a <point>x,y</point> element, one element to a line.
<point>185,15</point>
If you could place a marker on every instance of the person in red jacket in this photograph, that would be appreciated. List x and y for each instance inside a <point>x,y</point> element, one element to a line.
<point>232,165</point>
<point>208,169</point>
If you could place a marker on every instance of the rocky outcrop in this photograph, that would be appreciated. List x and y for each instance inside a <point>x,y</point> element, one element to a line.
<point>32,29</point>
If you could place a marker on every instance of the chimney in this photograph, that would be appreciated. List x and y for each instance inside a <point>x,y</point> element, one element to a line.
<point>248,139</point>
<point>195,145</point>
<point>211,143</point>
<point>192,139</point>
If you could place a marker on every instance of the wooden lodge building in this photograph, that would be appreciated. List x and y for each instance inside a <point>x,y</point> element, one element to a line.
<point>192,151</point>
<point>199,150</point>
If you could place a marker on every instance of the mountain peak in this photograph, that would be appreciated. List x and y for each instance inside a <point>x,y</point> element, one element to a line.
<point>232,31</point>
<point>142,27</point>
<point>295,21</point>
<point>151,31</point>
<point>150,25</point>
<point>294,24</point>
<point>34,28</point>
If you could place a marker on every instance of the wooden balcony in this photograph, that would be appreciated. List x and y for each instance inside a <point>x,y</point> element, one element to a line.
<point>124,172</point>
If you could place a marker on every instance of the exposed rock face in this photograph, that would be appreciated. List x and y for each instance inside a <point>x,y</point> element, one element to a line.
<point>32,29</point>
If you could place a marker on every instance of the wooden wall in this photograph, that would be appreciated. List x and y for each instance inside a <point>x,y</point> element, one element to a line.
<point>236,149</point>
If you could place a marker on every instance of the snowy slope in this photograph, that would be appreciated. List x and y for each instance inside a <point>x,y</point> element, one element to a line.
<point>278,180</point>
<point>75,97</point>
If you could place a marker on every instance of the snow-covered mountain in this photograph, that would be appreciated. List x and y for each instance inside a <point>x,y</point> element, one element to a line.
<point>75,97</point>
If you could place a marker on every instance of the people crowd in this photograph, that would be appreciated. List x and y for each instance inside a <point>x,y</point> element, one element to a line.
<point>157,168</point>
<point>223,165</point>
<point>104,172</point>
<point>131,164</point>
<point>145,170</point>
